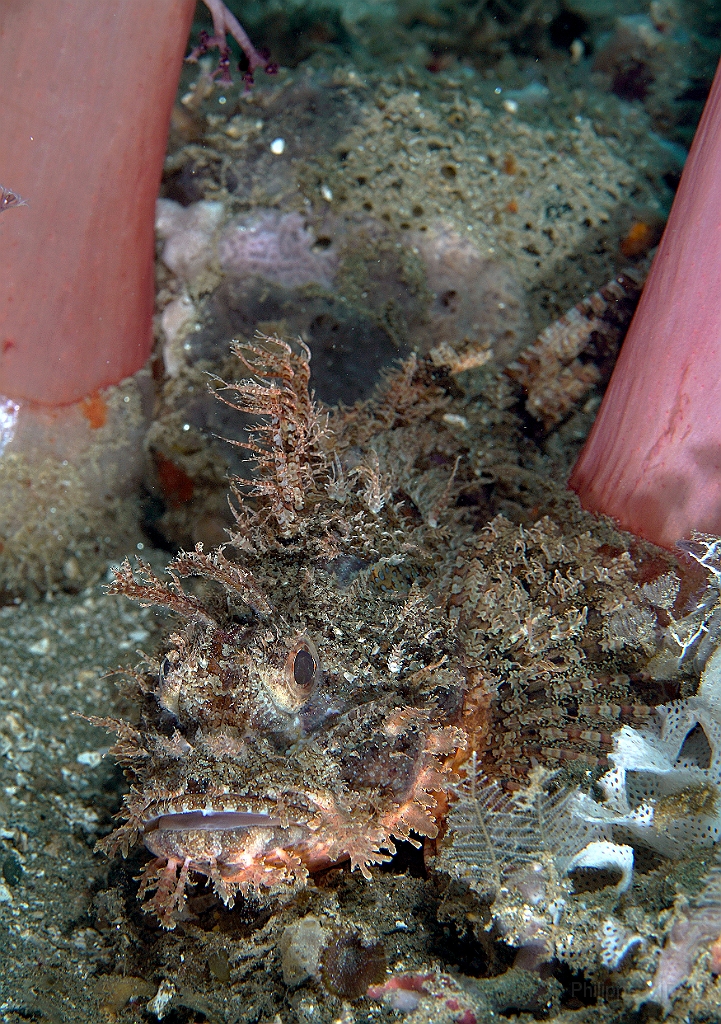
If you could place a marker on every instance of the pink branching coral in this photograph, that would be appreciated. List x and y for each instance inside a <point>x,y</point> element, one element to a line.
<point>226,24</point>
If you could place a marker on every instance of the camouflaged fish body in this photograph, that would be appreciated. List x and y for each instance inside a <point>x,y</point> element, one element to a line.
<point>307,712</point>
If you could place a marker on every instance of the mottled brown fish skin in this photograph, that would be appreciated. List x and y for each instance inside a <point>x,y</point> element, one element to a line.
<point>309,709</point>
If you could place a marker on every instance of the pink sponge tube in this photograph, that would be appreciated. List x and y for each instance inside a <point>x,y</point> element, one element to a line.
<point>653,458</point>
<point>87,89</point>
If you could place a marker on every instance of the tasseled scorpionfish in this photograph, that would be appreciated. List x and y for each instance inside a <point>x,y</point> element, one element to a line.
<point>308,709</point>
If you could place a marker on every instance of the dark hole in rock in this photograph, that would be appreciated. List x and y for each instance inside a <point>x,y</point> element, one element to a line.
<point>593,879</point>
<point>696,748</point>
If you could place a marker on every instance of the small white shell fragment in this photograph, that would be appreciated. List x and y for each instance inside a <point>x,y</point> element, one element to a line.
<point>40,647</point>
<point>452,419</point>
<point>277,146</point>
<point>616,943</point>
<point>606,856</point>
<point>159,1003</point>
<point>91,758</point>
<point>577,50</point>
<point>510,106</point>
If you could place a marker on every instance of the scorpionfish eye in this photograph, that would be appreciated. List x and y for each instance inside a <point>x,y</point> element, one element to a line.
<point>299,677</point>
<point>304,668</point>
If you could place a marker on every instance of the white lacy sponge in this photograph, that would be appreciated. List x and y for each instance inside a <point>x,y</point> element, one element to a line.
<point>665,785</point>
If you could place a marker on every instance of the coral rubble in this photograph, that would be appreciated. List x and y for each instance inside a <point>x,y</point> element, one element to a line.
<point>556,863</point>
